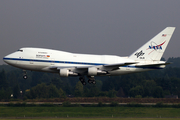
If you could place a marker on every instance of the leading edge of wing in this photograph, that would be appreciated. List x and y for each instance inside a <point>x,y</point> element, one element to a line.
<point>69,67</point>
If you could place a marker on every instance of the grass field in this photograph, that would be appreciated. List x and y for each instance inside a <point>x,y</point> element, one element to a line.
<point>100,119</point>
<point>144,112</point>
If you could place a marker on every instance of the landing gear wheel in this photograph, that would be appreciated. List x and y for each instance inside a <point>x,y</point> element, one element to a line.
<point>94,82</point>
<point>25,77</point>
<point>84,83</point>
<point>82,80</point>
<point>89,81</point>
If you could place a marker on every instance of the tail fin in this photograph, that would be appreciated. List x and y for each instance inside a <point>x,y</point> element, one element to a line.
<point>154,49</point>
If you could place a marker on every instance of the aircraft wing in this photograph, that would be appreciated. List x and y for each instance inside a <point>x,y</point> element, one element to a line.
<point>68,67</point>
<point>107,67</point>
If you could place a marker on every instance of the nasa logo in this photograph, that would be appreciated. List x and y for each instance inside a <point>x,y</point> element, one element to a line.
<point>155,46</point>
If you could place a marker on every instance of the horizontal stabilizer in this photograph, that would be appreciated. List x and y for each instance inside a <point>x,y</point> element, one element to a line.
<point>153,65</point>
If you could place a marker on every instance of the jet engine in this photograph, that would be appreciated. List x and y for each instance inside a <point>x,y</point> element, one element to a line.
<point>66,73</point>
<point>93,71</point>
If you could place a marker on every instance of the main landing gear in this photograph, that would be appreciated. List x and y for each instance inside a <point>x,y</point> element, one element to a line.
<point>25,74</point>
<point>82,80</point>
<point>91,80</point>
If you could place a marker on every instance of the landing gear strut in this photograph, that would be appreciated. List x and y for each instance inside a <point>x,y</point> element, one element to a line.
<point>91,80</point>
<point>25,74</point>
<point>82,80</point>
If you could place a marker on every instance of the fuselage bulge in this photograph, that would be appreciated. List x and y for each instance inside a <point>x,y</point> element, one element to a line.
<point>67,64</point>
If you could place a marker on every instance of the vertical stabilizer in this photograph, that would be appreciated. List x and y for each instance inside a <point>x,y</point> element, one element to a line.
<point>154,49</point>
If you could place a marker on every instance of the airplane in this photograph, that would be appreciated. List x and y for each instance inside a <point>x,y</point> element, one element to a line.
<point>67,64</point>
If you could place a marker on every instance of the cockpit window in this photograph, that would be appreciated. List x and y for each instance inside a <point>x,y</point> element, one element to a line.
<point>20,50</point>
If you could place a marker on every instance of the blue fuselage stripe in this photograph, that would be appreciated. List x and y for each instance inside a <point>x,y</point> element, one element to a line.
<point>79,63</point>
<point>52,61</point>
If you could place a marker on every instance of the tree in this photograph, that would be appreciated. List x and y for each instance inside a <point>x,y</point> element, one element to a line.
<point>93,91</point>
<point>3,80</point>
<point>78,92</point>
<point>2,93</point>
<point>57,82</point>
<point>36,78</point>
<point>53,91</point>
<point>138,90</point>
<point>16,91</point>
<point>61,93</point>
<point>149,87</point>
<point>158,93</point>
<point>44,91</point>
<point>120,92</point>
<point>39,91</point>
<point>112,93</point>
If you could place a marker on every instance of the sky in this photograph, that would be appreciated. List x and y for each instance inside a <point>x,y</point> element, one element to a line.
<point>104,27</point>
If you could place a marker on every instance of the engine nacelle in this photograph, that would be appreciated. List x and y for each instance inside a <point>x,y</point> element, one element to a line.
<point>92,71</point>
<point>64,72</point>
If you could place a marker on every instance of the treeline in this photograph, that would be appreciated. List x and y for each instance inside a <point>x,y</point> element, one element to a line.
<point>153,84</point>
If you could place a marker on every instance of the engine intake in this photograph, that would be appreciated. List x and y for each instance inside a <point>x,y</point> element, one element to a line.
<point>93,71</point>
<point>66,73</point>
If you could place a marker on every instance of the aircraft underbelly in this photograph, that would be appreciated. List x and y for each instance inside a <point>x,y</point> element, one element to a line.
<point>127,70</point>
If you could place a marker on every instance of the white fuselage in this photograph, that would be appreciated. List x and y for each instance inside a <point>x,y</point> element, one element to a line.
<point>38,59</point>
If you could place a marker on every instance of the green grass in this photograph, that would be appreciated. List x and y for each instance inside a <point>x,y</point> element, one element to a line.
<point>101,119</point>
<point>88,112</point>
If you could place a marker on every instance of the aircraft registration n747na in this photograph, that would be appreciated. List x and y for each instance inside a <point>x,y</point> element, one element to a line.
<point>67,64</point>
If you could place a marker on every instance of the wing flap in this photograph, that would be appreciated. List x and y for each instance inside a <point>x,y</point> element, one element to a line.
<point>120,64</point>
<point>117,65</point>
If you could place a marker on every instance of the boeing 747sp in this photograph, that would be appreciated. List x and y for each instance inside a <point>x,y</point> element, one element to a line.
<point>67,64</point>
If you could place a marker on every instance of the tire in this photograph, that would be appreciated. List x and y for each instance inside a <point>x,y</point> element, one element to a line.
<point>25,77</point>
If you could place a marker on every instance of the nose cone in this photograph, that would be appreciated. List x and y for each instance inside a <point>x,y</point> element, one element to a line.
<point>9,59</point>
<point>5,59</point>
